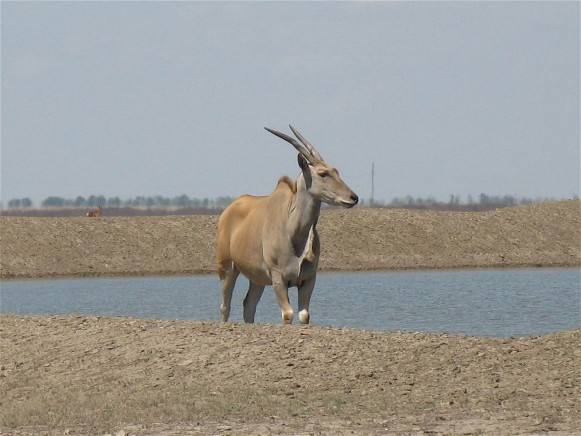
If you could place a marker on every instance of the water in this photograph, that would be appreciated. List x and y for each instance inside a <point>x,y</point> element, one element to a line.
<point>488,302</point>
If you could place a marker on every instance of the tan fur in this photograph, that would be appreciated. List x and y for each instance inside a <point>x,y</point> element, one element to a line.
<point>95,213</point>
<point>289,182</point>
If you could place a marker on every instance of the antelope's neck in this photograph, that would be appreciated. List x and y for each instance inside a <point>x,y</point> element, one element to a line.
<point>304,213</point>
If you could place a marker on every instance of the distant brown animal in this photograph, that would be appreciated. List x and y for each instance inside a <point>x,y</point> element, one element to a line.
<point>273,239</point>
<point>95,213</point>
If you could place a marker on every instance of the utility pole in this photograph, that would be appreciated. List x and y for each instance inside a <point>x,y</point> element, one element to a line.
<point>372,201</point>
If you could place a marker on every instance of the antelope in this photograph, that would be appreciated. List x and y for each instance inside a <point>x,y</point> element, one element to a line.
<point>95,213</point>
<point>273,240</point>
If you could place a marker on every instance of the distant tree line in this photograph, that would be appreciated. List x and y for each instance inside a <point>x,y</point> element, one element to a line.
<point>20,203</point>
<point>456,200</point>
<point>141,201</point>
<point>483,201</point>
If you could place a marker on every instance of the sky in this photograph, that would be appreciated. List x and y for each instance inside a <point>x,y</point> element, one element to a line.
<point>170,98</point>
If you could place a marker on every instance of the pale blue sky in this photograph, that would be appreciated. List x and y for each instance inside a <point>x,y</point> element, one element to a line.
<point>170,98</point>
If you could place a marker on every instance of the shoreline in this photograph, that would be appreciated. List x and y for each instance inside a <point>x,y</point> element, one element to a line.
<point>319,272</point>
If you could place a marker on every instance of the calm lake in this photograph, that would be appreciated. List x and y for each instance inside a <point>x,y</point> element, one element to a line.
<point>487,302</point>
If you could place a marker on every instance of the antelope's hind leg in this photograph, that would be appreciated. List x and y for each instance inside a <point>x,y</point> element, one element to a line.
<point>228,278</point>
<point>252,298</point>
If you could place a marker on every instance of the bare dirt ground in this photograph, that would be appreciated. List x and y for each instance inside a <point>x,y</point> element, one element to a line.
<point>546,234</point>
<point>87,375</point>
<point>92,375</point>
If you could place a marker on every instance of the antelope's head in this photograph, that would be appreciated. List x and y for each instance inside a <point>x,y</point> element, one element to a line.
<point>323,181</point>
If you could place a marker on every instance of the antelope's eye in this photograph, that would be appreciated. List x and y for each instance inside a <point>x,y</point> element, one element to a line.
<point>323,173</point>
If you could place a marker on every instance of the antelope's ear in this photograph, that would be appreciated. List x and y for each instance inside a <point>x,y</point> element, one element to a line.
<point>303,163</point>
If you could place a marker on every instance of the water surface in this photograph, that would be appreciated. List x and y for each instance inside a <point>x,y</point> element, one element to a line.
<point>486,302</point>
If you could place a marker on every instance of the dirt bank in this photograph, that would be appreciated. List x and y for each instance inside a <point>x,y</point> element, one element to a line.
<point>87,375</point>
<point>546,234</point>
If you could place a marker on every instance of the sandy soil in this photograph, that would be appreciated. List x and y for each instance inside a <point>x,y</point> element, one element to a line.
<point>88,375</point>
<point>92,375</point>
<point>546,234</point>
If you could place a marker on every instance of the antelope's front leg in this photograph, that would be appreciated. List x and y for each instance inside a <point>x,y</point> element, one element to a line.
<point>305,292</point>
<point>281,288</point>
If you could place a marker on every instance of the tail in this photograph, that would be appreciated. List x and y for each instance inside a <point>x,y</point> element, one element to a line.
<point>223,258</point>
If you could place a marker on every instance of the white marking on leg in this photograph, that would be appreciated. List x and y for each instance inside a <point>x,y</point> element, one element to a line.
<point>304,316</point>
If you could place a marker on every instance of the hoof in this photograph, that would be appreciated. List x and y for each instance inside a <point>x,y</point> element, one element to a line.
<point>287,318</point>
